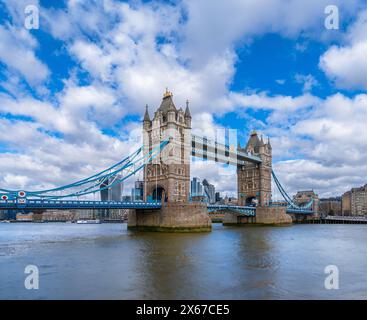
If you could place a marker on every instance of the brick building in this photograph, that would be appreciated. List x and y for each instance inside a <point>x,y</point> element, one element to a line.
<point>354,202</point>
<point>331,206</point>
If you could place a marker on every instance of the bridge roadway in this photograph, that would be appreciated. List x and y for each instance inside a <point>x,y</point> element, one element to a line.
<point>39,204</point>
<point>36,204</point>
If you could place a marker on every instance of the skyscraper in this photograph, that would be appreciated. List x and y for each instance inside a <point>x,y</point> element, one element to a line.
<point>209,191</point>
<point>114,192</point>
<point>137,193</point>
<point>103,191</point>
<point>196,187</point>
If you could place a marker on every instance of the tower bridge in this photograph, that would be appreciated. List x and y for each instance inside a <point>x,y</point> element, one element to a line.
<point>164,159</point>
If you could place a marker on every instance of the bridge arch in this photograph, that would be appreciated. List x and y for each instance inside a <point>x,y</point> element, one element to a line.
<point>250,200</point>
<point>158,193</point>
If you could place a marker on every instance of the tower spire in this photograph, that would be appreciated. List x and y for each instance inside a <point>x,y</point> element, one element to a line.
<point>269,145</point>
<point>146,115</point>
<point>187,110</point>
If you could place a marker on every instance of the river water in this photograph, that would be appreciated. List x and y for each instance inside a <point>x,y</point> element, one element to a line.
<point>107,261</point>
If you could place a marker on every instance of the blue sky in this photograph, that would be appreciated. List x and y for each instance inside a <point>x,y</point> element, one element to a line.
<point>72,93</point>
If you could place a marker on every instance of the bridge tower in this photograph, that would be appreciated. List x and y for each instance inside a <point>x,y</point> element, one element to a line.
<point>167,176</point>
<point>254,180</point>
<point>254,183</point>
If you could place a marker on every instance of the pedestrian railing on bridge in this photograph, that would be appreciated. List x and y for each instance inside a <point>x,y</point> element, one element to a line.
<point>242,210</point>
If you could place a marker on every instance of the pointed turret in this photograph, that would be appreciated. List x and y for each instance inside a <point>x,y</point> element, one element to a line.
<point>187,110</point>
<point>146,122</point>
<point>187,114</point>
<point>146,115</point>
<point>268,144</point>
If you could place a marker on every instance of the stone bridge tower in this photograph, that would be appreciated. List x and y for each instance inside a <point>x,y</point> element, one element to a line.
<point>254,180</point>
<point>167,177</point>
<point>254,186</point>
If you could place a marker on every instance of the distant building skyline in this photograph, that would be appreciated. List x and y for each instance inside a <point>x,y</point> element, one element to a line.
<point>203,188</point>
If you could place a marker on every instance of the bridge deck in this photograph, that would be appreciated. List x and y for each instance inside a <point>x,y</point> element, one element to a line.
<point>34,204</point>
<point>76,204</point>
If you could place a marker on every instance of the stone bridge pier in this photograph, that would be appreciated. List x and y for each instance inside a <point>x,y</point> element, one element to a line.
<point>265,216</point>
<point>172,217</point>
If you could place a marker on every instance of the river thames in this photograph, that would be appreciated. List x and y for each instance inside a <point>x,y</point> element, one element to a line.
<point>107,261</point>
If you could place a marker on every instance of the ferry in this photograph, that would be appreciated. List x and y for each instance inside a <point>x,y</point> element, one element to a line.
<point>96,221</point>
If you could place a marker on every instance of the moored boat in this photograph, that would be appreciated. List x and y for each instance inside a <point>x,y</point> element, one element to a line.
<point>96,221</point>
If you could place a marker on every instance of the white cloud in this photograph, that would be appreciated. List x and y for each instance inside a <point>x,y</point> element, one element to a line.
<point>283,109</point>
<point>308,81</point>
<point>48,161</point>
<point>17,52</point>
<point>326,181</point>
<point>216,26</point>
<point>347,65</point>
<point>331,148</point>
<point>263,100</point>
<point>280,81</point>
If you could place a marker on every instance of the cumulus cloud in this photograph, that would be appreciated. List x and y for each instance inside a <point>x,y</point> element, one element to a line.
<point>312,175</point>
<point>337,130</point>
<point>17,52</point>
<point>347,65</point>
<point>330,145</point>
<point>282,109</point>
